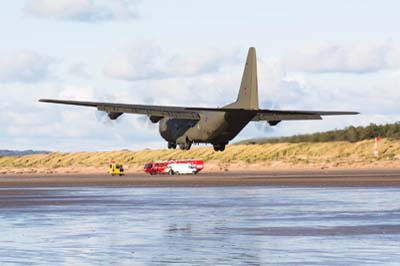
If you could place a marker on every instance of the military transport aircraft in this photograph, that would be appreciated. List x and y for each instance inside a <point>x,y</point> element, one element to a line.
<point>184,126</point>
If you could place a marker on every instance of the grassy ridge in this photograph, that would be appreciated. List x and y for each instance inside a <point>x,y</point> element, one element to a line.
<point>350,134</point>
<point>290,153</point>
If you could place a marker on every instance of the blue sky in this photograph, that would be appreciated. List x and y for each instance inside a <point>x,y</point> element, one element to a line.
<point>311,55</point>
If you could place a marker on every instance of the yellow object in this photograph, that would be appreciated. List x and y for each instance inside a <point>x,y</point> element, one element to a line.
<point>116,169</point>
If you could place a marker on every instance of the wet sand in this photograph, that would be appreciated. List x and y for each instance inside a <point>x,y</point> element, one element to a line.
<point>257,225</point>
<point>300,178</point>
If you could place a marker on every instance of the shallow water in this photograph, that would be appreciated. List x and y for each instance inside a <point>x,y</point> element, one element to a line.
<point>200,226</point>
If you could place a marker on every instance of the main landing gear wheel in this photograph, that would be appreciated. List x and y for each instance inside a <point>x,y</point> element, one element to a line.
<point>171,145</point>
<point>219,147</point>
<point>185,146</point>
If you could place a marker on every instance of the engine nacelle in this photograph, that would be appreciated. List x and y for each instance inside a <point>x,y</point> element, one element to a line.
<point>274,123</point>
<point>155,119</point>
<point>113,115</point>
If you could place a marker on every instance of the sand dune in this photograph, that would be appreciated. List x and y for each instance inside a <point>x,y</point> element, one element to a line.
<point>236,157</point>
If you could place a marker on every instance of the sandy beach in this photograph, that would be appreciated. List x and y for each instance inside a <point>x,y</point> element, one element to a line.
<point>289,178</point>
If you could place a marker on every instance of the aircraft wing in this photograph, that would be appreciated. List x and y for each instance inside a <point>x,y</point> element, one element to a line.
<point>276,115</point>
<point>114,110</point>
<point>279,115</point>
<point>157,112</point>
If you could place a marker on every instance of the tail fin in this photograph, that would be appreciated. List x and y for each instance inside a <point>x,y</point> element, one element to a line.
<point>248,94</point>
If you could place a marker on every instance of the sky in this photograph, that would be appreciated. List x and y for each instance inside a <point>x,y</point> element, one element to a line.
<point>313,55</point>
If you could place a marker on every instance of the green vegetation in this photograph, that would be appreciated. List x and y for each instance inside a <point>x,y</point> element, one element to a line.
<point>349,134</point>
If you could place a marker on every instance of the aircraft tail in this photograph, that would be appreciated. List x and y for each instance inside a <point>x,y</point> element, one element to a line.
<point>248,93</point>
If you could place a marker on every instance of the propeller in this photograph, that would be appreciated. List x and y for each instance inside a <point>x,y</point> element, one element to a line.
<point>265,127</point>
<point>104,118</point>
<point>145,121</point>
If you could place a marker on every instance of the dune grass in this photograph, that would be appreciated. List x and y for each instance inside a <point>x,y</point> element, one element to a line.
<point>290,153</point>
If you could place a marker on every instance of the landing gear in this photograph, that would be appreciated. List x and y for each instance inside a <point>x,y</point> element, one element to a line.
<point>171,145</point>
<point>219,147</point>
<point>185,146</point>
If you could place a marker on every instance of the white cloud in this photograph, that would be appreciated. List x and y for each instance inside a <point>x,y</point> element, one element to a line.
<point>25,66</point>
<point>335,58</point>
<point>205,61</point>
<point>82,10</point>
<point>79,70</point>
<point>146,61</point>
<point>77,93</point>
<point>137,62</point>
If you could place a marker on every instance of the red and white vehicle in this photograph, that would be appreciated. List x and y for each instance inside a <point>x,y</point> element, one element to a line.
<point>185,166</point>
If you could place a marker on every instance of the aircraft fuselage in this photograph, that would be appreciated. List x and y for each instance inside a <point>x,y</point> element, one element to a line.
<point>217,128</point>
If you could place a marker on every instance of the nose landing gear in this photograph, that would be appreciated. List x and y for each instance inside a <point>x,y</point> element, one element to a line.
<point>171,145</point>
